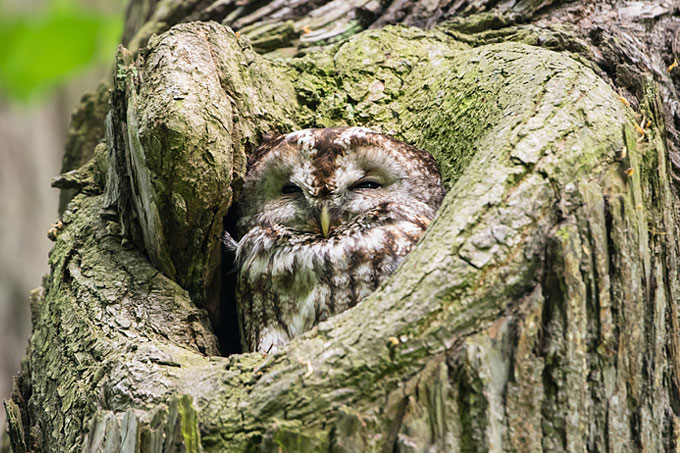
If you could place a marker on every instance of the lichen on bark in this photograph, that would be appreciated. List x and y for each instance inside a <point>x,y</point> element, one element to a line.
<point>520,322</point>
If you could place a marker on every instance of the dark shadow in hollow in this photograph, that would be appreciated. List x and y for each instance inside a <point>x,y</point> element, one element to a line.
<point>227,332</point>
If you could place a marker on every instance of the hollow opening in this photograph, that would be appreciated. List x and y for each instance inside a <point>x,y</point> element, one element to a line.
<point>226,330</point>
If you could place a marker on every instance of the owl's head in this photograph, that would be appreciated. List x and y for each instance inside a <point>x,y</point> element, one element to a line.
<point>323,182</point>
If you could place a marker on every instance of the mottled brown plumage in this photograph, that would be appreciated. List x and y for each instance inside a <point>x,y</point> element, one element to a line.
<point>325,216</point>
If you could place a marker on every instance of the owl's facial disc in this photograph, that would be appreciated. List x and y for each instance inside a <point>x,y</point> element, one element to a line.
<point>295,202</point>
<point>329,182</point>
<point>331,209</point>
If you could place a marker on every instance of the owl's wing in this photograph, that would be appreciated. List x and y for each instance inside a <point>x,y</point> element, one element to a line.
<point>230,245</point>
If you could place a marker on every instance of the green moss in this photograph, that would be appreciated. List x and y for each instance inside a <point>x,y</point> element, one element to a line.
<point>291,436</point>
<point>189,424</point>
<point>563,234</point>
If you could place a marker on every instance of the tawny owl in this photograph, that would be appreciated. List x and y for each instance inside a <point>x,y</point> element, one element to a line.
<point>325,216</point>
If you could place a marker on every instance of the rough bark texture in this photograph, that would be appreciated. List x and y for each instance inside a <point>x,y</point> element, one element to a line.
<point>539,313</point>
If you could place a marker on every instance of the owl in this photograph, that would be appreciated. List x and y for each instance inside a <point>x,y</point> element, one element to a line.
<point>325,215</point>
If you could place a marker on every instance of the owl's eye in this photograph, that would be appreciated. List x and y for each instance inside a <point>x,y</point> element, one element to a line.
<point>366,184</point>
<point>290,188</point>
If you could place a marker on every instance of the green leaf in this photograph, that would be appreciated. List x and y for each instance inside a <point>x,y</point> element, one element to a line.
<point>37,53</point>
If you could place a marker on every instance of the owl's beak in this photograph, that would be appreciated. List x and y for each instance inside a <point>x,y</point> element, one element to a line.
<point>325,220</point>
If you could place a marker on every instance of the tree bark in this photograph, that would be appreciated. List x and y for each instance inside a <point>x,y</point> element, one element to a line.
<point>539,312</point>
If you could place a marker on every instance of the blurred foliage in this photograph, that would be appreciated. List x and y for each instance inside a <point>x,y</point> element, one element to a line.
<point>39,50</point>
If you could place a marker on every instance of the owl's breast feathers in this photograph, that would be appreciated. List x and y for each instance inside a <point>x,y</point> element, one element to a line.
<point>291,281</point>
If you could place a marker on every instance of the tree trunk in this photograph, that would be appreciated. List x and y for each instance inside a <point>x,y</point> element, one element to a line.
<point>539,312</point>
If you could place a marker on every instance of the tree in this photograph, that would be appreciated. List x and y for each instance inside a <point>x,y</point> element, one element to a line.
<point>540,312</point>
